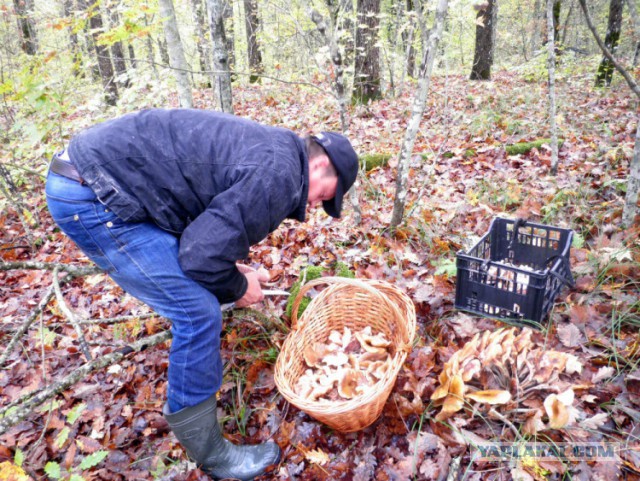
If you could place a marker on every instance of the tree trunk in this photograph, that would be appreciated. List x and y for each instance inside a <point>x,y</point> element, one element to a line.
<point>485,41</point>
<point>633,12</point>
<point>197,13</point>
<point>176,54</point>
<point>557,6</point>
<point>252,24</point>
<point>551,65</point>
<point>630,209</point>
<point>537,27</point>
<point>102,52</point>
<point>419,104</point>
<point>90,49</point>
<point>132,57</point>
<point>222,74</point>
<point>151,57</point>
<point>367,67</point>
<point>27,26</point>
<point>407,38</point>
<point>73,39</point>
<point>565,28</point>
<point>611,41</point>
<point>117,50</point>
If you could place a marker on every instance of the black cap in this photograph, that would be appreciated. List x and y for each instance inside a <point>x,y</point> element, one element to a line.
<point>345,161</point>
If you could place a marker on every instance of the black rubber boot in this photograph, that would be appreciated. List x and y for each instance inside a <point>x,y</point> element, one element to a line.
<point>198,431</point>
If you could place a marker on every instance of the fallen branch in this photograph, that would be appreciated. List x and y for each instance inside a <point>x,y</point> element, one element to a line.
<point>76,271</point>
<point>16,412</point>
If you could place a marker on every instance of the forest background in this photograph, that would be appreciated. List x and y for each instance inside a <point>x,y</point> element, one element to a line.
<point>461,112</point>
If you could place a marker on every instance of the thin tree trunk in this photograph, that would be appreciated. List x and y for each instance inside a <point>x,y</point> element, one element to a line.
<point>367,67</point>
<point>419,104</point>
<point>176,54</point>
<point>252,24</point>
<point>90,48</point>
<point>102,52</point>
<point>76,54</point>
<point>151,57</point>
<point>551,65</point>
<point>197,13</point>
<point>557,6</point>
<point>220,56</point>
<point>132,57</point>
<point>117,50</point>
<point>635,18</point>
<point>565,28</point>
<point>611,41</point>
<point>27,26</point>
<point>630,209</point>
<point>537,26</point>
<point>407,37</point>
<point>485,41</point>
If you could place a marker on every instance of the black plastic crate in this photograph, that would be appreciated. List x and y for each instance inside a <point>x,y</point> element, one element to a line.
<point>515,272</point>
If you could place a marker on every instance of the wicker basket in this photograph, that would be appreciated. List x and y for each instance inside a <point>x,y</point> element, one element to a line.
<point>354,304</point>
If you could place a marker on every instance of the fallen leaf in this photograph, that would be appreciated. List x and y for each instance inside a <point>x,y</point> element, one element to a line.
<point>317,456</point>
<point>494,396</point>
<point>604,372</point>
<point>570,335</point>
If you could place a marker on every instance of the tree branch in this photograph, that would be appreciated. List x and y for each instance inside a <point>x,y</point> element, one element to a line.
<point>632,84</point>
<point>75,271</point>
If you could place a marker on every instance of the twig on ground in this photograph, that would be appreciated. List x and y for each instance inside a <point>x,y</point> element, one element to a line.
<point>70,315</point>
<point>14,413</point>
<point>76,271</point>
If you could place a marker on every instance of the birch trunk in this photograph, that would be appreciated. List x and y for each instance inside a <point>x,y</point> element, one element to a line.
<point>222,75</point>
<point>551,66</point>
<point>419,104</point>
<point>176,53</point>
<point>535,36</point>
<point>635,18</point>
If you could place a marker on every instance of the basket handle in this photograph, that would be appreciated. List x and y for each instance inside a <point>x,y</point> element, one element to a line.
<point>340,280</point>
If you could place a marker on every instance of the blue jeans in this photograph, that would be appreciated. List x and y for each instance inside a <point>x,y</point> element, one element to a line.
<point>143,260</point>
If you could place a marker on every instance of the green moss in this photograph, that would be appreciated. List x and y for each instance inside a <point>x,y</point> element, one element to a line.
<point>342,270</point>
<point>524,147</point>
<point>371,161</point>
<point>308,274</point>
<point>469,153</point>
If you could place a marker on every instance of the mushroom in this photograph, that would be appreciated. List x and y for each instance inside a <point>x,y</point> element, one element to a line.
<point>314,354</point>
<point>348,385</point>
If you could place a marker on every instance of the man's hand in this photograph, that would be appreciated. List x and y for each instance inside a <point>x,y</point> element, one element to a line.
<point>254,291</point>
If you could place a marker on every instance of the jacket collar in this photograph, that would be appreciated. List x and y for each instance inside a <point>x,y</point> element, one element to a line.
<point>300,212</point>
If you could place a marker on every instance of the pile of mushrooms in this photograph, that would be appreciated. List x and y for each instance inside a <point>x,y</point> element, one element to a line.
<point>347,366</point>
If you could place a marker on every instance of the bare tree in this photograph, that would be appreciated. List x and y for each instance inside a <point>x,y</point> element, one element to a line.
<point>630,209</point>
<point>367,66</point>
<point>431,40</point>
<point>537,26</point>
<point>176,53</point>
<point>220,56</point>
<point>485,40</point>
<point>252,24</point>
<point>102,52</point>
<point>611,41</point>
<point>26,25</point>
<point>551,66</point>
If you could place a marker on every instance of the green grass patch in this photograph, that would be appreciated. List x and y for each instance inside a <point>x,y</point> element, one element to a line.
<point>525,147</point>
<point>371,161</point>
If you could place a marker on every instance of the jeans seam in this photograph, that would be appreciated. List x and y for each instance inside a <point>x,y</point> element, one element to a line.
<point>169,296</point>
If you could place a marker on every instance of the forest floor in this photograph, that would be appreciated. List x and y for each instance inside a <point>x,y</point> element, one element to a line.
<point>581,366</point>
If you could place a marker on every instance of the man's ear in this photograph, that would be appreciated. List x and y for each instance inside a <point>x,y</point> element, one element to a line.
<point>319,162</point>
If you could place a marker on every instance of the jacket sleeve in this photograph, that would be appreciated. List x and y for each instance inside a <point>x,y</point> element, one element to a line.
<point>236,219</point>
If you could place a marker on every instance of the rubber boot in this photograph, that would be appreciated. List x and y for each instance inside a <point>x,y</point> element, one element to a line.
<point>198,431</point>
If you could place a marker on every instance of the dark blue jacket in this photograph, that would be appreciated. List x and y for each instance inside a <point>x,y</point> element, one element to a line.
<point>220,182</point>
